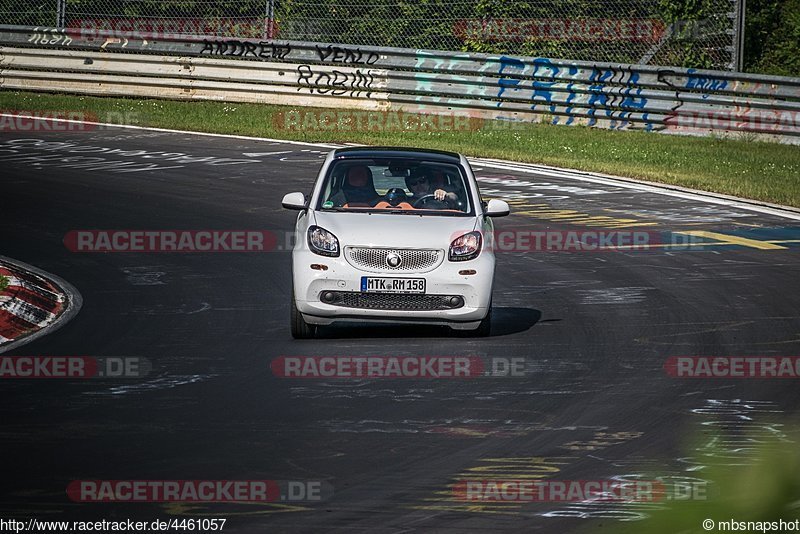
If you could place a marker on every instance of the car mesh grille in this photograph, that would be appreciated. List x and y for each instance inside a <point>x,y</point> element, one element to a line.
<point>412,260</point>
<point>394,301</point>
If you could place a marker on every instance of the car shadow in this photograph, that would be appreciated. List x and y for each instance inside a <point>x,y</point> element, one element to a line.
<point>505,321</point>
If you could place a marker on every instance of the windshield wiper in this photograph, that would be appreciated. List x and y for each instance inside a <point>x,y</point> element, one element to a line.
<point>342,208</point>
<point>401,211</point>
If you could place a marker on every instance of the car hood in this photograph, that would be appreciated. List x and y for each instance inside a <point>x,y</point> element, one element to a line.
<point>394,230</point>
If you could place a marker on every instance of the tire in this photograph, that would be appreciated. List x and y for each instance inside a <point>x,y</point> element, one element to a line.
<point>484,329</point>
<point>300,328</point>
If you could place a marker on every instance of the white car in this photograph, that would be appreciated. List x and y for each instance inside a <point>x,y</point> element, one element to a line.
<point>393,235</point>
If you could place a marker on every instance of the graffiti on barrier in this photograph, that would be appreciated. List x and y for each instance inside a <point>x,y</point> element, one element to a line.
<point>49,36</point>
<point>335,82</point>
<point>262,49</point>
<point>611,92</point>
<point>706,83</point>
<point>341,54</point>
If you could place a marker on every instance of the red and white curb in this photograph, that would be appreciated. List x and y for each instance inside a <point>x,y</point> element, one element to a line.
<point>33,303</point>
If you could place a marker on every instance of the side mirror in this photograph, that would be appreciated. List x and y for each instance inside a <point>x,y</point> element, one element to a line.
<point>497,208</point>
<point>294,201</point>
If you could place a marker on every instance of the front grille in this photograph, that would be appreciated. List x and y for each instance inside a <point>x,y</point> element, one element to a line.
<point>373,259</point>
<point>393,301</point>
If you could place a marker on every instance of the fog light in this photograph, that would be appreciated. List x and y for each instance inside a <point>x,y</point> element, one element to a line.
<point>455,302</point>
<point>328,296</point>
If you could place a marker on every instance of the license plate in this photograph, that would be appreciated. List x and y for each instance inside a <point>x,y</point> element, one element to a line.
<point>371,284</point>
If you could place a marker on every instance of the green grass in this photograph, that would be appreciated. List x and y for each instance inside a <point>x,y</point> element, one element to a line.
<point>757,170</point>
<point>763,487</point>
<point>3,282</point>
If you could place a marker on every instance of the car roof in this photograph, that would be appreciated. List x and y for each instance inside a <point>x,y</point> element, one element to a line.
<point>396,152</point>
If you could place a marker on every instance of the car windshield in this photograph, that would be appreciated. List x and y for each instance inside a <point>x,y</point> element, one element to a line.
<point>398,186</point>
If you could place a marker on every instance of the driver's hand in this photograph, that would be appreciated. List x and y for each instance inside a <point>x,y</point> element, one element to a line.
<point>439,194</point>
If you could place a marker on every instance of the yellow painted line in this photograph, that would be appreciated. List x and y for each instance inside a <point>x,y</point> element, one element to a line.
<point>561,216</point>
<point>546,212</point>
<point>734,240</point>
<point>783,241</point>
<point>584,219</point>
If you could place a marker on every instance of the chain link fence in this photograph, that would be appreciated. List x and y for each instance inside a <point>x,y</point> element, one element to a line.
<point>687,33</point>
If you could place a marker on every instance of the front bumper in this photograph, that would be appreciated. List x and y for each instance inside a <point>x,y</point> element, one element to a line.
<point>442,283</point>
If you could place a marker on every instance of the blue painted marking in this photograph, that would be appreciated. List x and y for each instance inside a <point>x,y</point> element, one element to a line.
<point>634,102</point>
<point>505,83</point>
<point>542,90</point>
<point>513,62</point>
<point>597,95</point>
<point>546,64</point>
<point>606,75</point>
<point>704,83</point>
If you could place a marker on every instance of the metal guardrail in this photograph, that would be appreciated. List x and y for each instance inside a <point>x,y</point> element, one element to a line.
<point>503,88</point>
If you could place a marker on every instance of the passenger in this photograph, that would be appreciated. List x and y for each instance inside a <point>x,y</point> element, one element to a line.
<point>358,188</point>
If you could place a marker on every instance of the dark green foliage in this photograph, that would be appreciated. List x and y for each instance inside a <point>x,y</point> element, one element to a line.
<point>700,39</point>
<point>772,37</point>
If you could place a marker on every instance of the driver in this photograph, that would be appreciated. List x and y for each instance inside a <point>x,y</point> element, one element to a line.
<point>438,180</point>
<point>358,188</point>
<point>420,186</point>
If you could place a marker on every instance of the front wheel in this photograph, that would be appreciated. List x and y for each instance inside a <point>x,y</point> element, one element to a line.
<point>300,328</point>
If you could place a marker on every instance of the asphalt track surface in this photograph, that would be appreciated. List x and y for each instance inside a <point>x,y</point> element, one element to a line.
<point>594,328</point>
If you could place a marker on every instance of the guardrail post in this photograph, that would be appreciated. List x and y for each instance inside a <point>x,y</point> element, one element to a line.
<point>269,30</point>
<point>61,14</point>
<point>738,36</point>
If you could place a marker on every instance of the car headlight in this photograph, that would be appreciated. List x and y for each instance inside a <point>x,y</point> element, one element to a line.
<point>466,247</point>
<point>322,242</point>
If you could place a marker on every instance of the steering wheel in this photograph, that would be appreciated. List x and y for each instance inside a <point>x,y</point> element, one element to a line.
<point>427,198</point>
